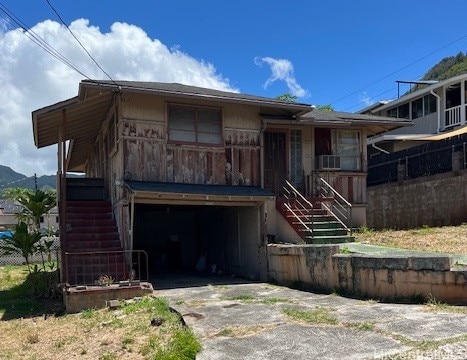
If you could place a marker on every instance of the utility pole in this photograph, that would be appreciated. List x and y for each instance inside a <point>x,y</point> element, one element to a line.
<point>35,181</point>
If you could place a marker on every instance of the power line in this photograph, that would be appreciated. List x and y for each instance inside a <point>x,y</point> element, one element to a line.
<point>80,43</point>
<point>371,98</point>
<point>8,16</point>
<point>402,68</point>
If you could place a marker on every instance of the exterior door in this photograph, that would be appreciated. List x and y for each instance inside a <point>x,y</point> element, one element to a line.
<point>275,161</point>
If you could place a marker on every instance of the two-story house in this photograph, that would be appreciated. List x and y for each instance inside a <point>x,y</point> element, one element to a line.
<point>438,111</point>
<point>189,174</point>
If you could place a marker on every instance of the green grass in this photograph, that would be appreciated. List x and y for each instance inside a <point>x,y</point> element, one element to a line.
<point>274,300</point>
<point>440,306</point>
<point>105,333</point>
<point>319,315</point>
<point>20,293</point>
<point>240,297</point>
<point>363,326</point>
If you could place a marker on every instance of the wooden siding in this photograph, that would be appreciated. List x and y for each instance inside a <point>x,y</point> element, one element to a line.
<point>148,156</point>
<point>352,186</point>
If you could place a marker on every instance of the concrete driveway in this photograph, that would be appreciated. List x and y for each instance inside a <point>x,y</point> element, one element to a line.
<point>238,319</point>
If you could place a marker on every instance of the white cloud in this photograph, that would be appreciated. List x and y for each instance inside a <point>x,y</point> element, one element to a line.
<point>282,69</point>
<point>364,98</point>
<point>30,78</point>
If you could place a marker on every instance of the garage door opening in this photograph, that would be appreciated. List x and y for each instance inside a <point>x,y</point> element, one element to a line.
<point>178,238</point>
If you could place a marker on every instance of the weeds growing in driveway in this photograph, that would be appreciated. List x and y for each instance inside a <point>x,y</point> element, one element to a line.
<point>240,297</point>
<point>319,315</point>
<point>436,305</point>
<point>364,326</point>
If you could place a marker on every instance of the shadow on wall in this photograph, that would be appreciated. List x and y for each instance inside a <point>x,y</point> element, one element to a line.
<point>386,278</point>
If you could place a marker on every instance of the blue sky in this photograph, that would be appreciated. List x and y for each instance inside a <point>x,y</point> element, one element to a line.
<point>344,53</point>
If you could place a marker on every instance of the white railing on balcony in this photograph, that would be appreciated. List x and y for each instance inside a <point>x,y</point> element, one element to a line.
<point>452,116</point>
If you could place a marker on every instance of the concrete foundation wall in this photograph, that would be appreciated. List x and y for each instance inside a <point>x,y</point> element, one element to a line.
<point>94,297</point>
<point>388,278</point>
<point>437,200</point>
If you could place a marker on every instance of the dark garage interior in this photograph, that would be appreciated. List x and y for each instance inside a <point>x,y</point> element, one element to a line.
<point>210,239</point>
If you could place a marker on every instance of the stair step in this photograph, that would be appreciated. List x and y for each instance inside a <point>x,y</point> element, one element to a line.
<point>79,223</point>
<point>92,237</point>
<point>326,232</point>
<point>321,224</point>
<point>329,239</point>
<point>92,229</point>
<point>71,217</point>
<point>88,210</point>
<point>87,203</point>
<point>94,246</point>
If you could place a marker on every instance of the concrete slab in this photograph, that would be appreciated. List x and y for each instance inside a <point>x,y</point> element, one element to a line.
<point>295,341</point>
<point>245,320</point>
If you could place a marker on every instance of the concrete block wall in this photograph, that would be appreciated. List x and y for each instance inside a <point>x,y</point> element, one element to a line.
<point>437,200</point>
<point>388,278</point>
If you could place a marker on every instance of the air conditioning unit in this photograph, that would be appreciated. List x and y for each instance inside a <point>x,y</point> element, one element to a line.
<point>329,162</point>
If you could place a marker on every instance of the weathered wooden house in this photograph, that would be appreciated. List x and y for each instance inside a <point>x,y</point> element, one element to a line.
<point>189,174</point>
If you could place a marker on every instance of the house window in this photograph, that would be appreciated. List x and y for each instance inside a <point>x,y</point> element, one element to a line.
<point>403,111</point>
<point>296,157</point>
<point>453,95</point>
<point>195,125</point>
<point>346,144</point>
<point>417,108</point>
<point>429,104</point>
<point>392,112</point>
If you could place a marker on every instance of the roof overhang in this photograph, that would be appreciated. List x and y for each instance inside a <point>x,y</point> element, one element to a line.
<point>145,192</point>
<point>333,119</point>
<point>81,119</point>
<point>417,137</point>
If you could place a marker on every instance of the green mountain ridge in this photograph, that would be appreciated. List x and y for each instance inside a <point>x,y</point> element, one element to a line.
<point>10,178</point>
<point>446,68</point>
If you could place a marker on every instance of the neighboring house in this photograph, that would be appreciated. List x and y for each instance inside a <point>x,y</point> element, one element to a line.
<point>196,176</point>
<point>9,211</point>
<point>436,141</point>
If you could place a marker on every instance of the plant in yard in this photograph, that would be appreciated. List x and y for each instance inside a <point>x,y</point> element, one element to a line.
<point>35,203</point>
<point>105,280</point>
<point>22,241</point>
<point>27,243</point>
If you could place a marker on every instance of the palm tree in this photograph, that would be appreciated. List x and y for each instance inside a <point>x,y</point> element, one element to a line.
<point>36,203</point>
<point>21,241</point>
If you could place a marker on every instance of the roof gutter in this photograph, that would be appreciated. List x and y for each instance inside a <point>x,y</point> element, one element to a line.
<point>379,149</point>
<point>438,106</point>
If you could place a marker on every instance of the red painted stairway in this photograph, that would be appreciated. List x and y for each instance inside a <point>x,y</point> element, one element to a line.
<point>311,218</point>
<point>92,245</point>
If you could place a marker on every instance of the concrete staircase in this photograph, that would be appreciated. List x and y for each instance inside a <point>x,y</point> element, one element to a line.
<point>314,224</point>
<point>92,243</point>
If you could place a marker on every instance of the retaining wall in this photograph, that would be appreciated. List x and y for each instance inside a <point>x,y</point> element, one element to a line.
<point>387,278</point>
<point>436,200</point>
